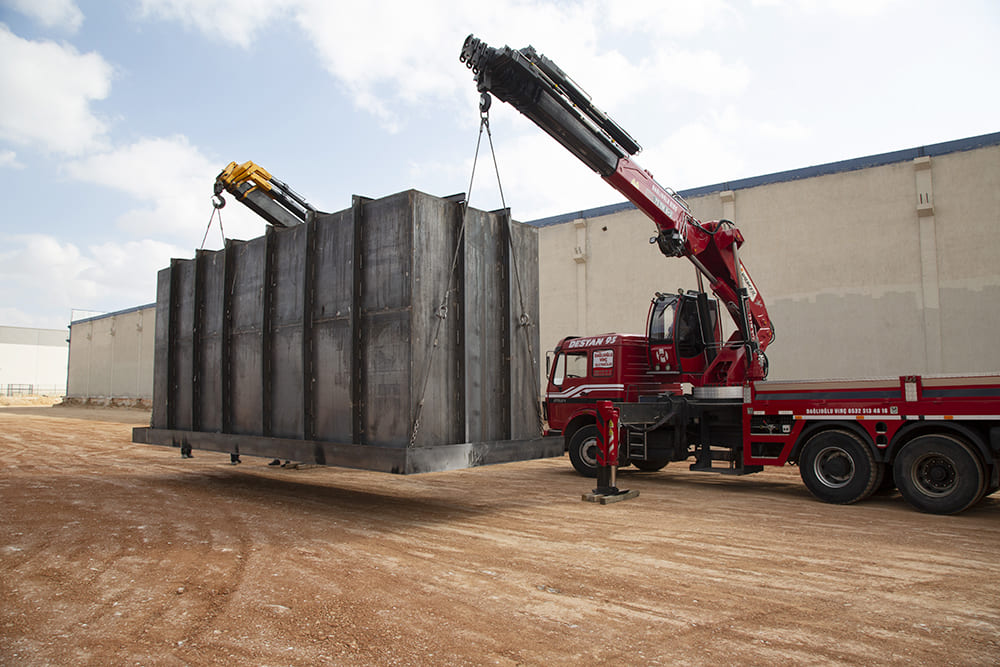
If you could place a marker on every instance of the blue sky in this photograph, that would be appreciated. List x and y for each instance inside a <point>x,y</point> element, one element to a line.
<point>116,116</point>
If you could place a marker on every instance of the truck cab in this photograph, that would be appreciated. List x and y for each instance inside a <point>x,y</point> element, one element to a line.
<point>582,371</point>
<point>683,337</point>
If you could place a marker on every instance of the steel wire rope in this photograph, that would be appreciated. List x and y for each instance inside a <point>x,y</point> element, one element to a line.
<point>442,311</point>
<point>215,209</point>
<point>524,320</point>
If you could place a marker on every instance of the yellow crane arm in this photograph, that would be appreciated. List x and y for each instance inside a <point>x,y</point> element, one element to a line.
<point>265,195</point>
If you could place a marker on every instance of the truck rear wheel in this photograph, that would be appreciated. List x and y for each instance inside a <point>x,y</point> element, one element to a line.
<point>583,450</point>
<point>838,467</point>
<point>939,474</point>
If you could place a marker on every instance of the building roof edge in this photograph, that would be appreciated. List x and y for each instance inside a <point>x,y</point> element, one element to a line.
<point>853,164</point>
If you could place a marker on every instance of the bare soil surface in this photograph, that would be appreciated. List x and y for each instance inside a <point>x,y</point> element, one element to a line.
<point>113,553</point>
<point>42,401</point>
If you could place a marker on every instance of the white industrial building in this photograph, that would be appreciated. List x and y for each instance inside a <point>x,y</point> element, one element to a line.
<point>111,358</point>
<point>33,361</point>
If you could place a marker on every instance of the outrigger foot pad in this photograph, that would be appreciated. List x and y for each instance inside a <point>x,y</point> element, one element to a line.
<point>607,498</point>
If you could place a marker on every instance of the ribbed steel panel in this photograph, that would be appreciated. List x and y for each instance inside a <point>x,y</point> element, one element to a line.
<point>329,339</point>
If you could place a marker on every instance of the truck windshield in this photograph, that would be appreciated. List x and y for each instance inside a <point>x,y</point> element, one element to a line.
<point>569,365</point>
<point>661,319</point>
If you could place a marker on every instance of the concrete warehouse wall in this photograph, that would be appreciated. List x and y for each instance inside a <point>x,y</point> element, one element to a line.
<point>111,356</point>
<point>35,357</point>
<point>878,266</point>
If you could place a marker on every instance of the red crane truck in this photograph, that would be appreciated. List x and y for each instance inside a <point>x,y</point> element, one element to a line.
<point>683,391</point>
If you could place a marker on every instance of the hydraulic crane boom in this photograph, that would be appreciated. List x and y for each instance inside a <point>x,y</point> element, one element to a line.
<point>540,90</point>
<point>264,194</point>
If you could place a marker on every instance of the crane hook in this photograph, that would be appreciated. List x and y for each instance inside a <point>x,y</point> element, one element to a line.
<point>217,200</point>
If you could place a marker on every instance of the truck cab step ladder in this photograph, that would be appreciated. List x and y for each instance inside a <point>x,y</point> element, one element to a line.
<point>637,447</point>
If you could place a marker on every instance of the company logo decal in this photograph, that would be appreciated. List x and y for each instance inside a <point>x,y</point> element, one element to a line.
<point>591,342</point>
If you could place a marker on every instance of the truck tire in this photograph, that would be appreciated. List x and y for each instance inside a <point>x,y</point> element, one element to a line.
<point>583,450</point>
<point>939,474</point>
<point>838,467</point>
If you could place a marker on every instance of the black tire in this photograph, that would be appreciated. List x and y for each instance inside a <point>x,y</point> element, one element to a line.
<point>838,467</point>
<point>989,488</point>
<point>939,474</point>
<point>583,450</point>
<point>650,466</point>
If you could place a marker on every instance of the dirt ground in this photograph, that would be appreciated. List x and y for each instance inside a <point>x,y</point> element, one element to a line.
<point>113,553</point>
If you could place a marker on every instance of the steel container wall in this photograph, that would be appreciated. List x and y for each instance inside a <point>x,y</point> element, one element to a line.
<point>387,325</point>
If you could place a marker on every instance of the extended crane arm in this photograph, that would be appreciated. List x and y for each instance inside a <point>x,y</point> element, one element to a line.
<point>540,90</point>
<point>264,194</point>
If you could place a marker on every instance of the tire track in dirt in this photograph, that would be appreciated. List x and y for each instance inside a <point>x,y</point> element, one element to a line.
<point>112,552</point>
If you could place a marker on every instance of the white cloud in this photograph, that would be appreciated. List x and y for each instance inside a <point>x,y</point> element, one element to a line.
<point>106,277</point>
<point>128,270</point>
<point>703,72</point>
<point>387,55</point>
<point>568,184</point>
<point>724,145</point>
<point>695,154</point>
<point>60,14</point>
<point>731,122</point>
<point>171,180</point>
<point>8,159</point>
<point>236,21</point>
<point>174,181</point>
<point>48,89</point>
<point>145,167</point>
<point>667,18</point>
<point>390,56</point>
<point>412,57</point>
<point>15,317</point>
<point>27,256</point>
<point>851,8</point>
<point>539,177</point>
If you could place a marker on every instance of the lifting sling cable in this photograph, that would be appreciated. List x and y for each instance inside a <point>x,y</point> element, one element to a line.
<point>215,209</point>
<point>524,319</point>
<point>442,311</point>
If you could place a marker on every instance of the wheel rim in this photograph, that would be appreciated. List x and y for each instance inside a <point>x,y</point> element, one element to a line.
<point>588,452</point>
<point>935,475</point>
<point>833,467</point>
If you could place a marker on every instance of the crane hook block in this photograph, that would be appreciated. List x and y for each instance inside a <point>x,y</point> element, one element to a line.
<point>543,92</point>
<point>473,51</point>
